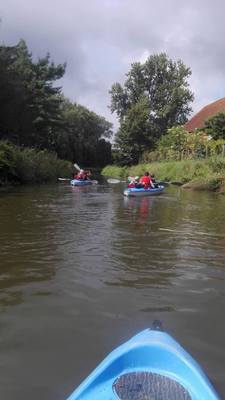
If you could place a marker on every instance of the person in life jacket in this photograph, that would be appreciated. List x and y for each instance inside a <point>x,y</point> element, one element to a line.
<point>146,181</point>
<point>81,175</point>
<point>84,175</point>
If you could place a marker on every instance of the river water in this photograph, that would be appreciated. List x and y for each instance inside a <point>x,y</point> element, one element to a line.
<point>84,269</point>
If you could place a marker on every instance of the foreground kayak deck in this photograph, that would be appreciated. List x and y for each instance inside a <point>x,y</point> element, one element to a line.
<point>143,192</point>
<point>79,182</point>
<point>151,366</point>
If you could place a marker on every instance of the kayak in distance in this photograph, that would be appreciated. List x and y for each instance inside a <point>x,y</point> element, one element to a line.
<point>152,366</point>
<point>144,192</point>
<point>80,182</point>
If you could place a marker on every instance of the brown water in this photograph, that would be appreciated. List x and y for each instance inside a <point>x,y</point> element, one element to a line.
<point>82,270</point>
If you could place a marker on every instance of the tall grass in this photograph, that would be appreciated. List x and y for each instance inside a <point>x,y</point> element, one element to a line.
<point>113,171</point>
<point>207,170</point>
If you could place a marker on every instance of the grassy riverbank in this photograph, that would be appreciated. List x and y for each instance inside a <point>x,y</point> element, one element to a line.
<point>206,174</point>
<point>25,165</point>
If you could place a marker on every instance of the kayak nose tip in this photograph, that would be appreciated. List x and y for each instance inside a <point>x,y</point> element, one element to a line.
<point>157,325</point>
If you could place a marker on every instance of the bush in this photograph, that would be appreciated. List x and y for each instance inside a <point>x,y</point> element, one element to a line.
<point>28,165</point>
<point>7,162</point>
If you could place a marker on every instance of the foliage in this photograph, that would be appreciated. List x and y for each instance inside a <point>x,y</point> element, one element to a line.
<point>83,136</point>
<point>150,156</point>
<point>217,164</point>
<point>155,96</point>
<point>133,136</point>
<point>34,113</point>
<point>29,103</point>
<point>209,170</point>
<point>215,147</point>
<point>178,144</point>
<point>113,171</point>
<point>7,161</point>
<point>30,166</point>
<point>215,126</point>
<point>173,144</point>
<point>184,171</point>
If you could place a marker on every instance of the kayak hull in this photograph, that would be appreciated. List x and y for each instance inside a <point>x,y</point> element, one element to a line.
<point>150,365</point>
<point>134,192</point>
<point>79,182</point>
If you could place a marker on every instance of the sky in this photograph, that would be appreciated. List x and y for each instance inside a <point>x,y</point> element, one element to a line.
<point>99,39</point>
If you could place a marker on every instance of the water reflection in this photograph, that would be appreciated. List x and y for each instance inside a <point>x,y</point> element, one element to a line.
<point>138,208</point>
<point>28,238</point>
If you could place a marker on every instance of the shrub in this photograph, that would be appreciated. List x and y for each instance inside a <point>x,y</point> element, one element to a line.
<point>7,161</point>
<point>28,165</point>
<point>217,164</point>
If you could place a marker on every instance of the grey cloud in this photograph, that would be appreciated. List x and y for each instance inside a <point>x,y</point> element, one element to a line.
<point>100,38</point>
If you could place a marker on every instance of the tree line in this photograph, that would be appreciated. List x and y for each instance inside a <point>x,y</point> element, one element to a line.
<point>34,112</point>
<point>154,98</point>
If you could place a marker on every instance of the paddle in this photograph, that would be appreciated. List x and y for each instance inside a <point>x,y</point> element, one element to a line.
<point>79,169</point>
<point>130,178</point>
<point>112,180</point>
<point>64,179</point>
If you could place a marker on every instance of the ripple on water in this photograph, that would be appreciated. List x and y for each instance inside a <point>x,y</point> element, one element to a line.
<point>93,266</point>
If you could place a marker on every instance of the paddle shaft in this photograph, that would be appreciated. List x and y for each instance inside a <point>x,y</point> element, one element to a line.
<point>77,166</point>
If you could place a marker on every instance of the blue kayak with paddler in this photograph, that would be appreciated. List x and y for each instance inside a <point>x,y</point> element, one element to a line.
<point>83,178</point>
<point>139,192</point>
<point>151,366</point>
<point>145,186</point>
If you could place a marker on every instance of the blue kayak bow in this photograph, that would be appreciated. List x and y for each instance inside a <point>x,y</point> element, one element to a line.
<point>151,365</point>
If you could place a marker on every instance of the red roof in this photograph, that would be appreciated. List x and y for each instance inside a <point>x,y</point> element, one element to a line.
<point>206,112</point>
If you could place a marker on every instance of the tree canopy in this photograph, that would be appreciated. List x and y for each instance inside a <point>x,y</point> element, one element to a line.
<point>215,126</point>
<point>83,136</point>
<point>29,103</point>
<point>34,112</point>
<point>154,97</point>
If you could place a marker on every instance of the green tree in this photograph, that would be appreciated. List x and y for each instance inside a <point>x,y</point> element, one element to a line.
<point>34,113</point>
<point>82,138</point>
<point>29,102</point>
<point>133,135</point>
<point>161,85</point>
<point>174,143</point>
<point>215,126</point>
